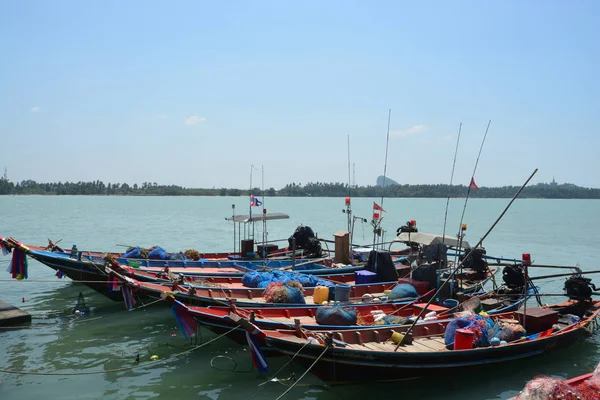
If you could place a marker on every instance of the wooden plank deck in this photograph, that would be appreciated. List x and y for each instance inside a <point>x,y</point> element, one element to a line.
<point>11,315</point>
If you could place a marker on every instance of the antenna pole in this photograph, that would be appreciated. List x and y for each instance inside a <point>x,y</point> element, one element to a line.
<point>377,224</point>
<point>265,234</point>
<point>348,207</point>
<point>387,143</point>
<point>448,198</point>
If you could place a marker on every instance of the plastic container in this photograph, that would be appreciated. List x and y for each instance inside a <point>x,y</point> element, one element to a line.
<point>321,294</point>
<point>463,339</point>
<point>342,293</point>
<point>450,303</point>
<point>397,337</point>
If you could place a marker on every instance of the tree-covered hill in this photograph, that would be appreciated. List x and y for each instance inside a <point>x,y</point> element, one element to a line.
<point>317,189</point>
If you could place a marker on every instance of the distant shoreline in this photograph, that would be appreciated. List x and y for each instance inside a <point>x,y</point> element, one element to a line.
<point>318,189</point>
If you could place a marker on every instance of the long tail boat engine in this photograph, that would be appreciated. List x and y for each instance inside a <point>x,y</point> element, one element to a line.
<point>411,226</point>
<point>514,276</point>
<point>579,288</point>
<point>306,240</point>
<point>475,260</point>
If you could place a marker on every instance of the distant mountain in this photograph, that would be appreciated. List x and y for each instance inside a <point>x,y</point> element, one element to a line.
<point>388,181</point>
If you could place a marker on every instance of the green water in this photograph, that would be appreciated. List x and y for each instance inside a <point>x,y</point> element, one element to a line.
<point>553,231</point>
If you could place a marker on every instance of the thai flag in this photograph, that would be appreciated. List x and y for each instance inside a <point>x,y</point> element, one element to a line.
<point>254,202</point>
<point>60,274</point>
<point>258,358</point>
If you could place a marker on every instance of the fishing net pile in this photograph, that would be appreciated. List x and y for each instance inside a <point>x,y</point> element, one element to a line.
<point>481,326</point>
<point>402,291</point>
<point>261,280</point>
<point>509,332</point>
<point>336,315</point>
<point>545,387</point>
<point>158,253</point>
<point>591,387</point>
<point>290,293</point>
<point>191,254</point>
<point>379,317</point>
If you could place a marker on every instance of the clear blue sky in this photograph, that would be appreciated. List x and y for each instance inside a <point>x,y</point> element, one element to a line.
<point>194,92</point>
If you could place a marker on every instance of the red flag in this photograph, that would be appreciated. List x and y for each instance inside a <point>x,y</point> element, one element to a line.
<point>472,185</point>
<point>377,207</point>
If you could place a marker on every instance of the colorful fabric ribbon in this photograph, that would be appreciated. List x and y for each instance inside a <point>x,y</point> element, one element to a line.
<point>128,297</point>
<point>186,323</point>
<point>18,266</point>
<point>258,358</point>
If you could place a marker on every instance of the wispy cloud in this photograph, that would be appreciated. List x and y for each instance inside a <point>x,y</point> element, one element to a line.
<point>194,120</point>
<point>35,109</point>
<point>447,138</point>
<point>415,130</point>
<point>161,116</point>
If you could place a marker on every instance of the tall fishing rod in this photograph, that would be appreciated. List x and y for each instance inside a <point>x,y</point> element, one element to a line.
<point>471,183</point>
<point>462,262</point>
<point>451,179</point>
<point>448,198</point>
<point>377,224</point>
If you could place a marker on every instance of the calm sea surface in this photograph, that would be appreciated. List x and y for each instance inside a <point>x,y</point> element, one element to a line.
<point>84,351</point>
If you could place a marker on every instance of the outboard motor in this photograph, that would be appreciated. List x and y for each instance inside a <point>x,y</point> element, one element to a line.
<point>409,227</point>
<point>306,240</point>
<point>436,253</point>
<point>579,288</point>
<point>476,260</point>
<point>514,276</point>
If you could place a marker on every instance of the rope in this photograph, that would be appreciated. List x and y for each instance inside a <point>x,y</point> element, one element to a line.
<point>9,371</point>
<point>235,364</point>
<point>284,365</point>
<point>304,374</point>
<point>146,305</point>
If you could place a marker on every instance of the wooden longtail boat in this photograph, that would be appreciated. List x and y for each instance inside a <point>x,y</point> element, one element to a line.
<point>222,294</point>
<point>94,274</point>
<point>236,267</point>
<point>578,380</point>
<point>370,355</point>
<point>222,319</point>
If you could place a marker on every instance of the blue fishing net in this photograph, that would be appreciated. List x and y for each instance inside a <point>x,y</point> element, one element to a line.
<point>507,332</point>
<point>158,254</point>
<point>176,256</point>
<point>133,253</point>
<point>403,290</point>
<point>336,315</point>
<point>254,279</point>
<point>481,327</point>
<point>277,292</point>
<point>394,320</point>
